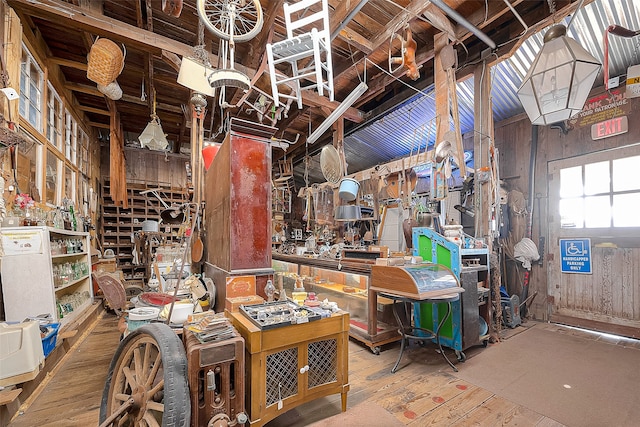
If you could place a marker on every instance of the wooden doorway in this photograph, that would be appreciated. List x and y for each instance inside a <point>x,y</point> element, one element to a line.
<point>591,197</point>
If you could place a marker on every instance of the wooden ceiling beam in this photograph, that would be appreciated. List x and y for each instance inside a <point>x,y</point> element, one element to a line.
<point>92,110</point>
<point>71,16</point>
<point>67,63</point>
<point>314,100</point>
<point>99,125</point>
<point>414,9</point>
<point>89,90</point>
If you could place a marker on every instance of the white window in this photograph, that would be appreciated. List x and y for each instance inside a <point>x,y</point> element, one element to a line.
<point>31,84</point>
<point>604,194</point>
<point>83,153</point>
<point>55,118</point>
<point>71,137</point>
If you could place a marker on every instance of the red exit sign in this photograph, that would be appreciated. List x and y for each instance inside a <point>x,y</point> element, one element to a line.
<point>609,128</point>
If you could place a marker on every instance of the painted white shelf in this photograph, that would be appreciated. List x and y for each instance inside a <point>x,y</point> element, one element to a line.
<point>27,273</point>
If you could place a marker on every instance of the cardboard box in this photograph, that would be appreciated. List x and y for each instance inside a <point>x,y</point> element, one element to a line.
<point>390,261</point>
<point>241,286</point>
<point>233,304</point>
<point>106,266</point>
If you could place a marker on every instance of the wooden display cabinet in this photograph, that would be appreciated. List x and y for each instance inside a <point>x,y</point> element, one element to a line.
<point>371,317</point>
<point>292,365</point>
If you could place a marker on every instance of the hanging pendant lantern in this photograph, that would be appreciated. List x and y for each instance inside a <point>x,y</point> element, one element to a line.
<point>559,80</point>
<point>153,137</point>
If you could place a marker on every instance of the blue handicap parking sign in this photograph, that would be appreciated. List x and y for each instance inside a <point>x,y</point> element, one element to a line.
<point>575,255</point>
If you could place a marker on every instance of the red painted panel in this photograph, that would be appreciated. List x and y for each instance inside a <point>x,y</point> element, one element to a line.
<point>250,203</point>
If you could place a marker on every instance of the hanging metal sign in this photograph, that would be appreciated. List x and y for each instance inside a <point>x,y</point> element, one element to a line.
<point>575,256</point>
<point>610,127</point>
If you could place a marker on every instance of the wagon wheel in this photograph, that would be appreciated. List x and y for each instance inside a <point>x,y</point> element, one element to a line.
<point>135,394</point>
<point>239,20</point>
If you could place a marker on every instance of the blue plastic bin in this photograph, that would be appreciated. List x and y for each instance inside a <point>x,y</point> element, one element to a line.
<point>49,341</point>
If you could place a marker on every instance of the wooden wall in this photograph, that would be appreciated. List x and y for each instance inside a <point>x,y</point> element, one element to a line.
<point>513,140</point>
<point>150,167</point>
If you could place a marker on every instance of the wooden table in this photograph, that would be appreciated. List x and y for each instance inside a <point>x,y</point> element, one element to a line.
<point>292,365</point>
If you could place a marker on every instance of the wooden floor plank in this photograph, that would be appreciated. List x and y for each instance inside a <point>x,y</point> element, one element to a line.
<point>423,392</point>
<point>496,411</point>
<point>455,408</point>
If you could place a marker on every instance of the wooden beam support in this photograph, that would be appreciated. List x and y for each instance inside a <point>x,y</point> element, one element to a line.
<point>68,15</point>
<point>483,143</point>
<point>415,8</point>
<point>67,63</point>
<point>92,110</point>
<point>314,100</point>
<point>89,90</point>
<point>99,125</point>
<point>441,89</point>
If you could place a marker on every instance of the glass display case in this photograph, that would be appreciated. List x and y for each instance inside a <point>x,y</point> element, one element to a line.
<point>371,319</point>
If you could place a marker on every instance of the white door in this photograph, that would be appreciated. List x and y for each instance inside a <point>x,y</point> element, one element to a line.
<point>594,240</point>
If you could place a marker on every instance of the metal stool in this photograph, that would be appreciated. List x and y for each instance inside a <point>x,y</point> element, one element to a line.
<point>410,331</point>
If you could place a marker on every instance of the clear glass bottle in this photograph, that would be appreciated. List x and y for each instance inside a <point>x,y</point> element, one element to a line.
<point>270,291</point>
<point>72,217</point>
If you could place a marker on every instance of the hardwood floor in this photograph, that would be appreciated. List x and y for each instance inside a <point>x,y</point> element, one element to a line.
<point>422,392</point>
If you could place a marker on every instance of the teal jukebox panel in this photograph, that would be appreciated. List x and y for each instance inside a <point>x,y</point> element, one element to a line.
<point>433,247</point>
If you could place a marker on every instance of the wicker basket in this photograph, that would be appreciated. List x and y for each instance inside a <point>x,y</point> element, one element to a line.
<point>106,61</point>
<point>112,90</point>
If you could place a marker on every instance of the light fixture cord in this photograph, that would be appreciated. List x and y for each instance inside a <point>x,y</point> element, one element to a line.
<point>155,101</point>
<point>574,14</point>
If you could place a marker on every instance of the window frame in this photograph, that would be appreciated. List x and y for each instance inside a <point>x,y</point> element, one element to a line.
<point>585,196</point>
<point>30,102</point>
<point>55,118</point>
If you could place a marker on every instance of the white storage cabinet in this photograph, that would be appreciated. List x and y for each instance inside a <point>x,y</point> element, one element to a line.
<point>45,270</point>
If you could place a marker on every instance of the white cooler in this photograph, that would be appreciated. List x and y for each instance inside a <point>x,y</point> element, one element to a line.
<point>21,353</point>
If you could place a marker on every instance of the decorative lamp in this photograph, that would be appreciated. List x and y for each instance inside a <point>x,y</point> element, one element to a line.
<point>559,80</point>
<point>208,154</point>
<point>199,102</point>
<point>195,75</point>
<point>153,136</point>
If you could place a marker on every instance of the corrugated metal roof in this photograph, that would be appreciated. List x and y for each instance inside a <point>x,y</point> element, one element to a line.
<point>412,124</point>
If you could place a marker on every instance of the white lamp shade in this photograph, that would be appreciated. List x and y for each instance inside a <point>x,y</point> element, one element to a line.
<point>195,76</point>
<point>153,136</point>
<point>558,82</point>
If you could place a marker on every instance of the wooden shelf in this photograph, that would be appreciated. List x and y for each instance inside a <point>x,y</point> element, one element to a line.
<point>69,255</point>
<point>117,223</point>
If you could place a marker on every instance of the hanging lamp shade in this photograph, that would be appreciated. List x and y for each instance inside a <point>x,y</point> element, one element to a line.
<point>153,136</point>
<point>208,154</point>
<point>559,80</point>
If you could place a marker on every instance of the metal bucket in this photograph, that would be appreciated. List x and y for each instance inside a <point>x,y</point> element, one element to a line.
<point>150,226</point>
<point>349,189</point>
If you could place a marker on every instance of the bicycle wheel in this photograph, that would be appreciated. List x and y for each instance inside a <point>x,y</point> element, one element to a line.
<point>241,19</point>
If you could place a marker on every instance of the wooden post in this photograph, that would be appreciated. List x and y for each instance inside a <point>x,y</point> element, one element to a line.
<point>440,41</point>
<point>483,147</point>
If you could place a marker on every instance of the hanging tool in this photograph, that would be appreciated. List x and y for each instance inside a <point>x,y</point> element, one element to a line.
<point>448,57</point>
